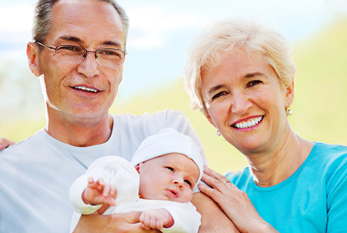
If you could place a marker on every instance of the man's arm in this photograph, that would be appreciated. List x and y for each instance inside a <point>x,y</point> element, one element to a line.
<point>213,218</point>
<point>120,223</point>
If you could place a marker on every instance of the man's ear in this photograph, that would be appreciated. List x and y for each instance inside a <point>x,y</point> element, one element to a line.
<point>33,58</point>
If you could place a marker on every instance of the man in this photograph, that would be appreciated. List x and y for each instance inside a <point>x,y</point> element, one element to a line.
<point>79,89</point>
<point>78,53</point>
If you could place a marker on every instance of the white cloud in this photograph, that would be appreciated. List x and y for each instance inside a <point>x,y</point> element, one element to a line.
<point>15,18</point>
<point>338,6</point>
<point>149,26</point>
<point>16,23</point>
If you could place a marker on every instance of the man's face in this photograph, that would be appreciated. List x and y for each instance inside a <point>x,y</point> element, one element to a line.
<point>85,90</point>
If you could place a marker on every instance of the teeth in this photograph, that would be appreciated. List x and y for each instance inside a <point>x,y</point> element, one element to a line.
<point>248,124</point>
<point>86,89</point>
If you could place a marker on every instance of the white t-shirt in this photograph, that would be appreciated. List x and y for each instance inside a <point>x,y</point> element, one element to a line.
<point>36,174</point>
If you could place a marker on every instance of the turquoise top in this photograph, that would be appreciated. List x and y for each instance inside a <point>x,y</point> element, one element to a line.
<point>313,199</point>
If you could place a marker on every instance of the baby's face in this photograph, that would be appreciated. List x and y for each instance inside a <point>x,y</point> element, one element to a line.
<point>168,177</point>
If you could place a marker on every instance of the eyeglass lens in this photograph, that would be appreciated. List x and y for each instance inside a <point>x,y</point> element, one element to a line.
<point>111,58</point>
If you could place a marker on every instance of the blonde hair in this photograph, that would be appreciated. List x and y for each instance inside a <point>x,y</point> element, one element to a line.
<point>235,34</point>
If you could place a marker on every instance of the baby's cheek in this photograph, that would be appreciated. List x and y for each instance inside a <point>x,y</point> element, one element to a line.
<point>188,196</point>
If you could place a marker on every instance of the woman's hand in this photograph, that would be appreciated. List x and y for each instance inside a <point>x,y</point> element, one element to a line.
<point>234,202</point>
<point>213,219</point>
<point>4,143</point>
<point>120,223</point>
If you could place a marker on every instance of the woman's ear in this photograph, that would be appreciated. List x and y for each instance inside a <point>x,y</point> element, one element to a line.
<point>207,115</point>
<point>33,58</point>
<point>289,93</point>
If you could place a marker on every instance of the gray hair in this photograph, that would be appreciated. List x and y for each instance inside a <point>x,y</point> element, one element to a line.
<point>43,19</point>
<point>232,34</point>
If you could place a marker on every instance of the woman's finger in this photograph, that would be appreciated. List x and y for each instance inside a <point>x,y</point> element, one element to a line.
<point>211,192</point>
<point>214,179</point>
<point>216,175</point>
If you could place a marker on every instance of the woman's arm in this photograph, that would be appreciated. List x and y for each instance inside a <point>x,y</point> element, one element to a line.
<point>4,143</point>
<point>120,223</point>
<point>213,218</point>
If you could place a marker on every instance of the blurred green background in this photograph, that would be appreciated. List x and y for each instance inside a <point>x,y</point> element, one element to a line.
<point>320,104</point>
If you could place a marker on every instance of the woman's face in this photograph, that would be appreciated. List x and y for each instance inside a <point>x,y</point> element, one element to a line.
<point>245,101</point>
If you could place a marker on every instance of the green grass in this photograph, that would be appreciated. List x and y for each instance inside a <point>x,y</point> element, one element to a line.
<point>320,105</point>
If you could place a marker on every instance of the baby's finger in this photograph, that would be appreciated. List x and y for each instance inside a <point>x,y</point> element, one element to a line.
<point>100,183</point>
<point>91,183</point>
<point>113,191</point>
<point>144,220</point>
<point>90,180</point>
<point>107,189</point>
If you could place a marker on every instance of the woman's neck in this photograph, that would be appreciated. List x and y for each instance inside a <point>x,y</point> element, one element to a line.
<point>272,167</point>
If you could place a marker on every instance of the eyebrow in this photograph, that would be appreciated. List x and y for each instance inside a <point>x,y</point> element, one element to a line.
<point>111,43</point>
<point>70,38</point>
<point>215,88</point>
<point>249,75</point>
<point>254,74</point>
<point>78,40</point>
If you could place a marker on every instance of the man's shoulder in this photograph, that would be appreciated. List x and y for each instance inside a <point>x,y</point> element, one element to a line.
<point>161,113</point>
<point>163,117</point>
<point>23,146</point>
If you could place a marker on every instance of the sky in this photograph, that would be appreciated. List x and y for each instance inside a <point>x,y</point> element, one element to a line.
<point>161,30</point>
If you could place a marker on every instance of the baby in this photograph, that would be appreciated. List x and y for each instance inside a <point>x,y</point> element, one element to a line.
<point>159,181</point>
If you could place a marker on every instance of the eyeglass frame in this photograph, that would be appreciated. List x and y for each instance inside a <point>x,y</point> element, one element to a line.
<point>85,51</point>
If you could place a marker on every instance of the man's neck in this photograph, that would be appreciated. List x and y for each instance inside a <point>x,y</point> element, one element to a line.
<point>80,133</point>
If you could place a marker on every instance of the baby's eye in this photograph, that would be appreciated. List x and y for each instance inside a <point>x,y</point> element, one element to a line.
<point>253,83</point>
<point>188,183</point>
<point>219,94</point>
<point>170,168</point>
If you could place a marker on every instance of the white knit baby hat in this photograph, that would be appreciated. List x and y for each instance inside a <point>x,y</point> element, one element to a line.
<point>168,140</point>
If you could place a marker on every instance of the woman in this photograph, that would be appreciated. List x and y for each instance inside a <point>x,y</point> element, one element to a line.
<point>241,76</point>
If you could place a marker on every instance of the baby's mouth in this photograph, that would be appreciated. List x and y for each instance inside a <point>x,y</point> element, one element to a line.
<point>172,193</point>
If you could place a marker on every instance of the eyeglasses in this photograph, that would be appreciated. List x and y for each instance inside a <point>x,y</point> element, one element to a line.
<point>70,54</point>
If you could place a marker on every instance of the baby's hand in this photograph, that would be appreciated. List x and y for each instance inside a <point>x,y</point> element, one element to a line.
<point>156,219</point>
<point>99,192</point>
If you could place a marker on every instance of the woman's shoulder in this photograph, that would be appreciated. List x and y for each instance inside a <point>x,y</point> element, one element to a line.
<point>239,177</point>
<point>330,160</point>
<point>329,152</point>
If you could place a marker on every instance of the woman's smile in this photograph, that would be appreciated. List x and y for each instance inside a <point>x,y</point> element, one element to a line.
<point>249,123</point>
